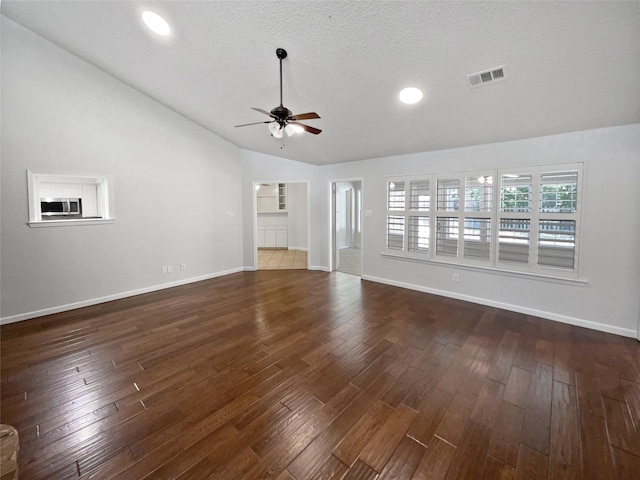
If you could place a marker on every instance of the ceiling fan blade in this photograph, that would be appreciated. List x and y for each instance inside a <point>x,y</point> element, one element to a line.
<point>304,116</point>
<point>263,111</point>
<point>307,128</point>
<point>254,123</point>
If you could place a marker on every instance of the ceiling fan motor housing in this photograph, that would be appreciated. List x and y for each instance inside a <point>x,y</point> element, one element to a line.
<point>281,113</point>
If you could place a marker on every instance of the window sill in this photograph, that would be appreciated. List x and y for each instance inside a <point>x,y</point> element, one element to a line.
<point>492,270</point>
<point>71,223</point>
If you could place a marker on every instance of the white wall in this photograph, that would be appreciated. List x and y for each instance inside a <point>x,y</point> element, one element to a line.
<point>297,205</point>
<point>610,232</point>
<point>258,167</point>
<point>177,190</point>
<point>183,194</point>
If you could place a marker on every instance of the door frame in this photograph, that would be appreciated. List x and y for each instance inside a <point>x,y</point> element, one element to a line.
<point>255,216</point>
<point>333,250</point>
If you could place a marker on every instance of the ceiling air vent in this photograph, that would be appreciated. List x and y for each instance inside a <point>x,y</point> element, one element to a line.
<point>486,76</point>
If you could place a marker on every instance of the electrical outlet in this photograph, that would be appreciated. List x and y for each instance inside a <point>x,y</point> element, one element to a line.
<point>170,269</point>
<point>183,266</point>
<point>456,277</point>
<point>164,269</point>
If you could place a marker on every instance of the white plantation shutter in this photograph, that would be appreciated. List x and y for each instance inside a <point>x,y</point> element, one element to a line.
<point>448,194</point>
<point>447,236</point>
<point>514,240</point>
<point>515,193</point>
<point>419,195</point>
<point>419,234</point>
<point>478,196</point>
<point>559,192</point>
<point>523,220</point>
<point>557,243</point>
<point>395,232</point>
<point>395,196</point>
<point>477,238</point>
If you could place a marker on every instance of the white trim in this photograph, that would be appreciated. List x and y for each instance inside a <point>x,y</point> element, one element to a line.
<point>71,223</point>
<point>321,269</point>
<point>102,182</point>
<point>332,222</point>
<point>254,214</point>
<point>534,217</point>
<point>492,270</point>
<point>579,322</point>
<point>115,296</point>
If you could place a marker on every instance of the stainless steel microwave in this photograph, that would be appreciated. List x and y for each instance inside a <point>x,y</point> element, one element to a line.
<point>60,206</point>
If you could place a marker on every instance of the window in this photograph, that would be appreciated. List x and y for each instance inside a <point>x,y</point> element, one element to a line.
<point>395,233</point>
<point>56,200</point>
<point>525,220</point>
<point>408,204</point>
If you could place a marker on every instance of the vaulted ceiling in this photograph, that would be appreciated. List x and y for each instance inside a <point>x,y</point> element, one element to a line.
<point>568,66</point>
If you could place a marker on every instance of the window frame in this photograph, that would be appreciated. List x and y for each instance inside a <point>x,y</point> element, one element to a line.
<point>104,198</point>
<point>493,218</point>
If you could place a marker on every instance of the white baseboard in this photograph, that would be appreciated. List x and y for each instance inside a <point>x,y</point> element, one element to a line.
<point>316,268</point>
<point>625,332</point>
<point>578,322</point>
<point>299,249</point>
<point>108,298</point>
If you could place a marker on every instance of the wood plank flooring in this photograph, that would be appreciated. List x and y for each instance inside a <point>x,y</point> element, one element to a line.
<point>308,375</point>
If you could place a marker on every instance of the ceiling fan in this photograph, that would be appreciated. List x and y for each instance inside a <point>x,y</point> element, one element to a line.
<point>282,120</point>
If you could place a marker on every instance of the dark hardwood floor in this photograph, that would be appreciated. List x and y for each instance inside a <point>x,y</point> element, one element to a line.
<point>309,375</point>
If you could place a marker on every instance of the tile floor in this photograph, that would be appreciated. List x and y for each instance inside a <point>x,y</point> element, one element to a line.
<point>350,261</point>
<point>281,259</point>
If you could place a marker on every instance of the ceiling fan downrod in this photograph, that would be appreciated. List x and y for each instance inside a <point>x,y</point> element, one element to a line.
<point>281,53</point>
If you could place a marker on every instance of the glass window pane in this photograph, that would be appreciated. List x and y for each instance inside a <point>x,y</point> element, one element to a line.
<point>419,195</point>
<point>419,234</point>
<point>557,243</point>
<point>515,193</point>
<point>395,232</point>
<point>477,238</point>
<point>395,196</point>
<point>514,238</point>
<point>477,193</point>
<point>447,236</point>
<point>559,192</point>
<point>448,194</point>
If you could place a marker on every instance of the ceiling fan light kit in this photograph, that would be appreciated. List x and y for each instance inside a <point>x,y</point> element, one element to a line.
<point>283,121</point>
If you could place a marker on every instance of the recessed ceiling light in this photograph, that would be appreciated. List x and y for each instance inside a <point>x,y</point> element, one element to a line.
<point>156,23</point>
<point>410,95</point>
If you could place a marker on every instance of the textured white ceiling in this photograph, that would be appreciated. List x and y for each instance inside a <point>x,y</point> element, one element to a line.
<point>569,65</point>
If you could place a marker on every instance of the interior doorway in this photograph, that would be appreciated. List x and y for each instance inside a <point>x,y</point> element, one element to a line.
<point>281,225</point>
<point>347,226</point>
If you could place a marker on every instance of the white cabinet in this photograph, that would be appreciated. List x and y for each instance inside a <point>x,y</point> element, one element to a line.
<point>271,197</point>
<point>60,190</point>
<point>273,236</point>
<point>261,238</point>
<point>282,237</point>
<point>270,237</point>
